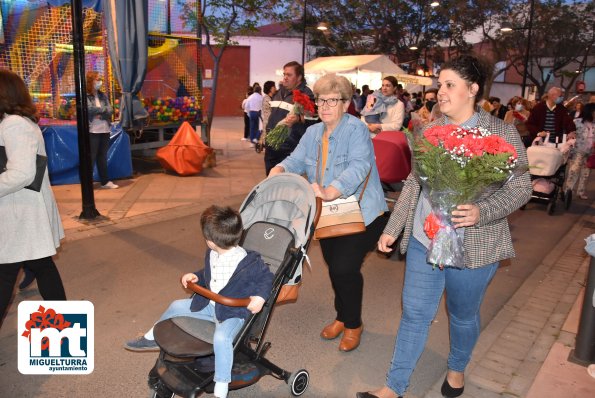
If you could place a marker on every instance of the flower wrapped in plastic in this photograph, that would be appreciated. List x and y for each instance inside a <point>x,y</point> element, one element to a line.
<point>302,105</point>
<point>456,166</point>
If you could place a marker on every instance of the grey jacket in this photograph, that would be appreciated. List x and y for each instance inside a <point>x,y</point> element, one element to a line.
<point>489,240</point>
<point>104,111</point>
<point>30,225</point>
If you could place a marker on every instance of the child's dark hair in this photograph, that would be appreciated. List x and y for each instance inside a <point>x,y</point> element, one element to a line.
<point>222,226</point>
<point>470,69</point>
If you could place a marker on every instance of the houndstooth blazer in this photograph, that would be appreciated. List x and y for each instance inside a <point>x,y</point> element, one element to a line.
<point>489,240</point>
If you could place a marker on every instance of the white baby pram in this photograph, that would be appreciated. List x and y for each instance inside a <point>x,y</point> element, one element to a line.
<point>547,166</point>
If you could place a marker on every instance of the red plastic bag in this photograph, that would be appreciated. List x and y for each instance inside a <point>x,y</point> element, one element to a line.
<point>185,153</point>
<point>591,161</point>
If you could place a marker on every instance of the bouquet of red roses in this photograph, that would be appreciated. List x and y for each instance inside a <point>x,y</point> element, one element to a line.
<point>302,105</point>
<point>455,166</point>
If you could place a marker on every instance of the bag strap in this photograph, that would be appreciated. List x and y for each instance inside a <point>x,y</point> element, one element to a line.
<point>361,195</point>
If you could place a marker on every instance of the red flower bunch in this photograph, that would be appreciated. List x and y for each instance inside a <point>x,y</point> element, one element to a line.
<point>454,166</point>
<point>302,104</point>
<point>307,106</point>
<point>467,143</point>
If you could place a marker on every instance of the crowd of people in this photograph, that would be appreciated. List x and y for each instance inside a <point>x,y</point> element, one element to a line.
<point>334,151</point>
<point>349,116</point>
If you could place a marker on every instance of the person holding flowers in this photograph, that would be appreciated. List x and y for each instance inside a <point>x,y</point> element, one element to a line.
<point>337,157</point>
<point>286,118</point>
<point>477,202</point>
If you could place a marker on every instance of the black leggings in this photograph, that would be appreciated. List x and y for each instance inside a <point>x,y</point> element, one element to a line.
<point>344,256</point>
<point>45,271</point>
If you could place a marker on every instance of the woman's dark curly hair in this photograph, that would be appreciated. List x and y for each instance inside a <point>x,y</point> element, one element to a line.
<point>14,96</point>
<point>471,69</point>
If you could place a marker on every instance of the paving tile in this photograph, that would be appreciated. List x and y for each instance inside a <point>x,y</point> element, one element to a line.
<point>523,341</point>
<point>531,322</point>
<point>522,329</point>
<point>475,391</point>
<point>504,360</point>
<point>488,383</point>
<point>497,367</point>
<point>502,350</point>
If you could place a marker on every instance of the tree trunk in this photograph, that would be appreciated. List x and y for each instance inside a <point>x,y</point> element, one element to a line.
<point>211,109</point>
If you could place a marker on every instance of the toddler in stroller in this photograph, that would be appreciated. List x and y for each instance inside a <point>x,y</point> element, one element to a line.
<point>230,270</point>
<point>279,218</point>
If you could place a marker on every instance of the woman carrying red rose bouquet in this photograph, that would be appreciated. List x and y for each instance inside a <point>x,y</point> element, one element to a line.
<point>478,221</point>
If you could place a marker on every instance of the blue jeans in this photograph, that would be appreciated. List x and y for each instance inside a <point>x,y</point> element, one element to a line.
<point>422,290</point>
<point>225,332</point>
<point>254,122</point>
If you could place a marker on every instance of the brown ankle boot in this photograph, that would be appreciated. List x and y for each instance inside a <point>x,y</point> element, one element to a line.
<point>333,330</point>
<point>351,338</point>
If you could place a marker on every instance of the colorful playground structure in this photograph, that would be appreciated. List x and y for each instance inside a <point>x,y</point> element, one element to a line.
<point>36,43</point>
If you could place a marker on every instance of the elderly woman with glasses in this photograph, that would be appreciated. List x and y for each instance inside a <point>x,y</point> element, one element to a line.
<point>337,157</point>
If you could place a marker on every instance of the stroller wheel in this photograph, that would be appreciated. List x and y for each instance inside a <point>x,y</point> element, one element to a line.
<point>298,382</point>
<point>160,391</point>
<point>567,199</point>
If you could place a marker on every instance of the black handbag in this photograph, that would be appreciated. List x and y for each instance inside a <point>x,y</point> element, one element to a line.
<point>41,163</point>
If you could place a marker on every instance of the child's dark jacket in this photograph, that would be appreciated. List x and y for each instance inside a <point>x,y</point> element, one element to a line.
<point>252,277</point>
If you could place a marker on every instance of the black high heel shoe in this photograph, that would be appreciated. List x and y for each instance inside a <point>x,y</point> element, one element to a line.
<point>450,392</point>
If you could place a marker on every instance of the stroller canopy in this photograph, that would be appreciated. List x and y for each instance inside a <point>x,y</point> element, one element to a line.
<point>285,199</point>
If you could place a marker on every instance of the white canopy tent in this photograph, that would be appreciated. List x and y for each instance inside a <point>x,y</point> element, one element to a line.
<point>363,69</point>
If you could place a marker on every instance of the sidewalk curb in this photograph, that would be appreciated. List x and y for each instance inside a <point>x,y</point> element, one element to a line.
<point>526,344</point>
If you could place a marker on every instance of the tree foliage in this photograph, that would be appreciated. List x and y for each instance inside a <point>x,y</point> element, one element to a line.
<point>562,34</point>
<point>219,20</point>
<point>562,39</point>
<point>393,27</point>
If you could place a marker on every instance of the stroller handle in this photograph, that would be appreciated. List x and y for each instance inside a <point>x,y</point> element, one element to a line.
<point>230,302</point>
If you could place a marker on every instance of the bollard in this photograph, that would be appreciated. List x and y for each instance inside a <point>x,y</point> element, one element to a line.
<point>584,350</point>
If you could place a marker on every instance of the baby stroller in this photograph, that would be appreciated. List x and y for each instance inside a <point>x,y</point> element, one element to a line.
<point>279,217</point>
<point>547,166</point>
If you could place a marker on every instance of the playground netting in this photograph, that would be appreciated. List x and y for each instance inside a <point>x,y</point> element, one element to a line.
<point>36,43</point>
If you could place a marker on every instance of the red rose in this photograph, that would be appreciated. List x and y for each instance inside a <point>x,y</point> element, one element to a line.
<point>438,133</point>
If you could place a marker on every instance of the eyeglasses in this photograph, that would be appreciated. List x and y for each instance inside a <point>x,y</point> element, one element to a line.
<point>332,102</point>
